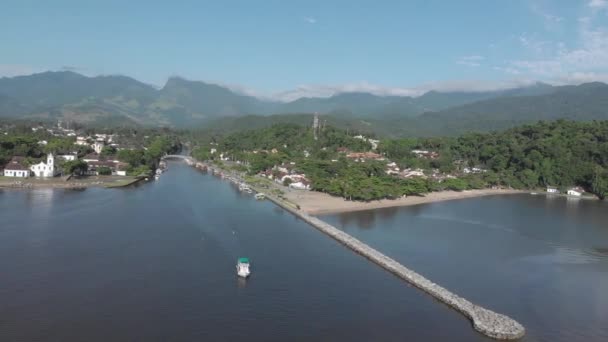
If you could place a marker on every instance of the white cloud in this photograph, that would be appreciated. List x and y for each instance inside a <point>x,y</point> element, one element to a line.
<point>588,55</point>
<point>596,4</point>
<point>532,44</point>
<point>317,90</point>
<point>508,70</point>
<point>310,20</point>
<point>441,86</point>
<point>12,70</point>
<point>471,61</point>
<point>551,21</point>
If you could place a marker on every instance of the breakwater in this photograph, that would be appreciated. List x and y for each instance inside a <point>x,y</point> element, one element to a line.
<point>485,321</point>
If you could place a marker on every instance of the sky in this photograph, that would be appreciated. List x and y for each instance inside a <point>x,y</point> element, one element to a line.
<point>288,49</point>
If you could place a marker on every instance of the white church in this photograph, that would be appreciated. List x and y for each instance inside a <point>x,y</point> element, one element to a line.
<point>48,169</point>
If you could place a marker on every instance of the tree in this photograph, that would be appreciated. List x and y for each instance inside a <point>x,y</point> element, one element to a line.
<point>104,171</point>
<point>74,167</point>
<point>142,170</point>
<point>59,145</point>
<point>133,157</point>
<point>599,184</point>
<point>108,151</point>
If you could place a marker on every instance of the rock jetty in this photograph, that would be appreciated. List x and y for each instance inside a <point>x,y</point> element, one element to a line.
<point>485,321</point>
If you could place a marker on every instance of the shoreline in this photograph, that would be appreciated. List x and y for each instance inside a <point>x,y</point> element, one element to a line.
<point>318,203</point>
<point>74,183</point>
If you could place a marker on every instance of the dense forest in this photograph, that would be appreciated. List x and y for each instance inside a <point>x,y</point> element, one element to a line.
<point>558,153</point>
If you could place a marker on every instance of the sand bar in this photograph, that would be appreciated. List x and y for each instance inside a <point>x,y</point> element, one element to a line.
<point>318,203</point>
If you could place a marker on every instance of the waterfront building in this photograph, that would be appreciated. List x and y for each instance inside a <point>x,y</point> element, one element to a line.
<point>300,185</point>
<point>45,169</point>
<point>575,192</point>
<point>16,168</point>
<point>552,190</point>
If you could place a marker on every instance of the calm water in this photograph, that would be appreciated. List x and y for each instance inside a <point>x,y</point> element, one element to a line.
<point>157,263</point>
<point>543,261</point>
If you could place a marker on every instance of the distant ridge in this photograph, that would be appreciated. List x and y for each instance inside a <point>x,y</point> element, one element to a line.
<point>183,103</point>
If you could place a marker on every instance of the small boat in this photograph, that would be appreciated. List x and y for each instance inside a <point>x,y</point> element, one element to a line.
<point>242,267</point>
<point>244,187</point>
<point>260,196</point>
<point>533,193</point>
<point>157,177</point>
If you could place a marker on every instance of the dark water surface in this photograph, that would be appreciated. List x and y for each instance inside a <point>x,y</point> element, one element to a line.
<point>157,263</point>
<point>542,261</point>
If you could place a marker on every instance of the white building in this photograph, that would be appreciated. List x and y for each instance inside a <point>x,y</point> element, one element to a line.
<point>42,169</point>
<point>98,146</point>
<point>67,157</point>
<point>16,168</point>
<point>81,141</point>
<point>409,173</point>
<point>301,185</point>
<point>552,190</point>
<point>575,192</point>
<point>373,142</point>
<point>92,157</point>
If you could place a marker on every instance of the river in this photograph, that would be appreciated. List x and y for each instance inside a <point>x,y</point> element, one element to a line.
<point>156,262</point>
<point>541,260</point>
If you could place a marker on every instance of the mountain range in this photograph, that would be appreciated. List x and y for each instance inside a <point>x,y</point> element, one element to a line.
<point>120,100</point>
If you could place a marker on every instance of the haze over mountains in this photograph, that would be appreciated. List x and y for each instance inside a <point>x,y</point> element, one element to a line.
<point>120,100</point>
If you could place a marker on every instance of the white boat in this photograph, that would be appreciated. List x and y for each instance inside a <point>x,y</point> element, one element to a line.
<point>260,196</point>
<point>157,177</point>
<point>242,267</point>
<point>245,188</point>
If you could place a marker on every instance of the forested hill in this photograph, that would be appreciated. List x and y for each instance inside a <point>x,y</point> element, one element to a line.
<point>120,100</point>
<point>558,153</point>
<point>581,103</point>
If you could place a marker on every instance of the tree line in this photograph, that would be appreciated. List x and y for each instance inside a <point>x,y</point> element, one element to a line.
<point>557,153</point>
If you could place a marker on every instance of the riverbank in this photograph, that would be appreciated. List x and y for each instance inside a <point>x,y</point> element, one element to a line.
<point>318,203</point>
<point>72,183</point>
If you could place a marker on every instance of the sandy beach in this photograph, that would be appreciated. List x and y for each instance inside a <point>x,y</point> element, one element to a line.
<point>317,203</point>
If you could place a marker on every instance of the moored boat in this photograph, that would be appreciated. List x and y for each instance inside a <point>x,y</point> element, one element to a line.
<point>242,267</point>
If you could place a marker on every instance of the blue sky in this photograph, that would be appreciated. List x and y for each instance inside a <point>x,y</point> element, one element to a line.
<point>287,49</point>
